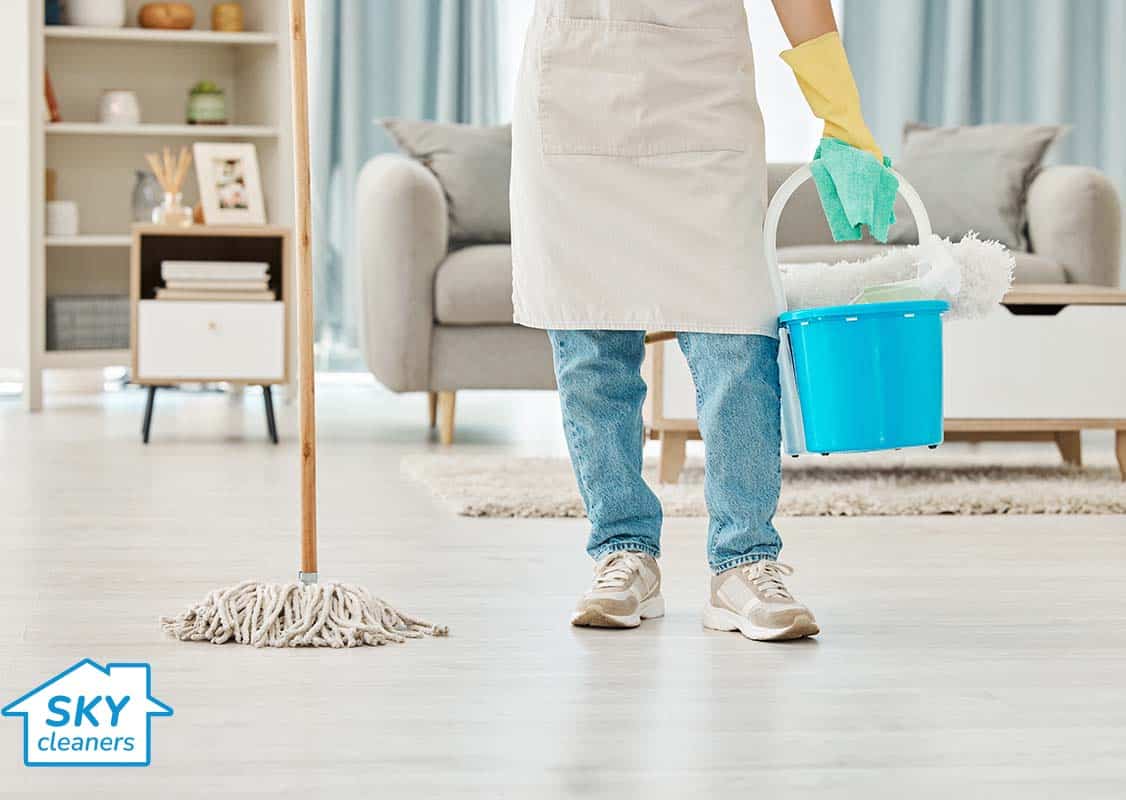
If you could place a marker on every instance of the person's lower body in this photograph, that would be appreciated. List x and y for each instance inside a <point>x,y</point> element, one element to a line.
<point>738,406</point>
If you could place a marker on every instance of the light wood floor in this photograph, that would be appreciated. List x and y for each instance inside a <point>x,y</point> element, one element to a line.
<point>961,657</point>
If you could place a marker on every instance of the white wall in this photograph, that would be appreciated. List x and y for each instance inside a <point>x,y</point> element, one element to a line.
<point>15,189</point>
<point>791,131</point>
<point>514,18</point>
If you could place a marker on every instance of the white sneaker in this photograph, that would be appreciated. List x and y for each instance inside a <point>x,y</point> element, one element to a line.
<point>626,590</point>
<point>753,600</point>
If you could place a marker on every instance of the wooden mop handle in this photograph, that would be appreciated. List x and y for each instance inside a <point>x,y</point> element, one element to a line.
<point>301,179</point>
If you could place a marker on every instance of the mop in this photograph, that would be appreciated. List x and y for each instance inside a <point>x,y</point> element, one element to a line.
<point>304,613</point>
<point>972,275</point>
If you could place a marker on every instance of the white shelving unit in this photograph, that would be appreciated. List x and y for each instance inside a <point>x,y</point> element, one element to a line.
<point>162,130</point>
<point>159,37</point>
<point>95,164</point>
<point>89,240</point>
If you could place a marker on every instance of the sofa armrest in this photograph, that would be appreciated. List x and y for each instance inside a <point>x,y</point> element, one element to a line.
<point>1074,218</point>
<point>402,235</point>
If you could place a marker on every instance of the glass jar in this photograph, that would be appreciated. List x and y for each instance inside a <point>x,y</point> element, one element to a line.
<point>172,211</point>
<point>147,196</point>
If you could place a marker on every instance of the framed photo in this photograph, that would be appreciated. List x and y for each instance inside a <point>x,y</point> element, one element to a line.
<point>230,186</point>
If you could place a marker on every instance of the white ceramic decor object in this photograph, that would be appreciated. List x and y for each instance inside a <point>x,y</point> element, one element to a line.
<point>96,13</point>
<point>62,218</point>
<point>119,107</point>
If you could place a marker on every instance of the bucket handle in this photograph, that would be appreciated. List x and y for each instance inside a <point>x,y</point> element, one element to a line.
<point>793,435</point>
<point>786,191</point>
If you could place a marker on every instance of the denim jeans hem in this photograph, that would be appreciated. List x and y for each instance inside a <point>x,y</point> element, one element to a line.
<point>627,544</point>
<point>739,561</point>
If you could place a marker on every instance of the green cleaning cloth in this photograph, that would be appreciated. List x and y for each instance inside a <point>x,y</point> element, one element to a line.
<point>856,190</point>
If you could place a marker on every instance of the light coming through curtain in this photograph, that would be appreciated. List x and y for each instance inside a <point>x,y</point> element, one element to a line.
<point>423,59</point>
<point>949,62</point>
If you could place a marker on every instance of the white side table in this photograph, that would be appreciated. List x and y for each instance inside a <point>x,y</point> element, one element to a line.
<point>181,341</point>
<point>1045,366</point>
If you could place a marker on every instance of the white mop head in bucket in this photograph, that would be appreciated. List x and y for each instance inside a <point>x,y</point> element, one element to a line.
<point>972,275</point>
<point>296,615</point>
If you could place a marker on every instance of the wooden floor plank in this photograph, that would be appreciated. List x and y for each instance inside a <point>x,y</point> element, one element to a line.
<point>961,656</point>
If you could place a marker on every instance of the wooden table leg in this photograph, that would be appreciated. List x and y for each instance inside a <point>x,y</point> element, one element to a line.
<point>446,404</point>
<point>1070,447</point>
<point>674,450</point>
<point>1120,450</point>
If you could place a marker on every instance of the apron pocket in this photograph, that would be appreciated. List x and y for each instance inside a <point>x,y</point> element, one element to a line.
<point>632,89</point>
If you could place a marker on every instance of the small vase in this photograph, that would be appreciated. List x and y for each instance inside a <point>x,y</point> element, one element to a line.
<point>172,211</point>
<point>119,107</point>
<point>147,195</point>
<point>226,17</point>
<point>207,108</point>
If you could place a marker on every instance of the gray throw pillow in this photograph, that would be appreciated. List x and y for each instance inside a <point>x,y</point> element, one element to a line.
<point>472,164</point>
<point>974,177</point>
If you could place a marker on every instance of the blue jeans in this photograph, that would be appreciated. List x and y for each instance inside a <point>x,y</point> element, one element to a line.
<point>737,403</point>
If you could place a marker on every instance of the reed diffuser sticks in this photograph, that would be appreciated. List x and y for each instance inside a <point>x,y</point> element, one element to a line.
<point>170,174</point>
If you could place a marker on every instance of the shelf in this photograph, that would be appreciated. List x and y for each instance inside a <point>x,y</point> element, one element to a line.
<point>162,130</point>
<point>91,240</point>
<point>151,36</point>
<point>85,359</point>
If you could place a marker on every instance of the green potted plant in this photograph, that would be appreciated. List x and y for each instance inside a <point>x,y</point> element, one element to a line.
<point>207,104</point>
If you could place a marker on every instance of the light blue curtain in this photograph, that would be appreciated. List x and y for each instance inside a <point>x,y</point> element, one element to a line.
<point>951,62</point>
<point>369,59</point>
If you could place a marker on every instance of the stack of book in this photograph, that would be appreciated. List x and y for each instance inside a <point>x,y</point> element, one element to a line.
<point>215,280</point>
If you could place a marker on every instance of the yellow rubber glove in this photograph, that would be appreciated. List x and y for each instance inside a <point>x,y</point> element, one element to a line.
<point>825,78</point>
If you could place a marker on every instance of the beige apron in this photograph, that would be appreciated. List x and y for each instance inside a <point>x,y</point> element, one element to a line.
<point>638,176</point>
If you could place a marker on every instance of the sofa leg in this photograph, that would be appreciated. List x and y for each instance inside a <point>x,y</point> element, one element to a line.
<point>432,399</point>
<point>446,417</point>
<point>674,450</point>
<point>1120,451</point>
<point>1070,448</point>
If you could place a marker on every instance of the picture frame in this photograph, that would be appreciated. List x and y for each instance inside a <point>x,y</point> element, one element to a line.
<point>230,184</point>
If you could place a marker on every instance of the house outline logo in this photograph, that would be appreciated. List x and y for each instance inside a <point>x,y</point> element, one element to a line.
<point>77,711</point>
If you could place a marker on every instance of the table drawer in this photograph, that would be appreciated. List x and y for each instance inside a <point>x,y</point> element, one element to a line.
<point>185,340</point>
<point>1066,365</point>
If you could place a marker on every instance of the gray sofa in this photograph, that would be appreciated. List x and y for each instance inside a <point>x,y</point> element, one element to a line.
<point>438,318</point>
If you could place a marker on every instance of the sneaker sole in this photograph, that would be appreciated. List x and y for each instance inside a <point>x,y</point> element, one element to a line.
<point>593,618</point>
<point>720,619</point>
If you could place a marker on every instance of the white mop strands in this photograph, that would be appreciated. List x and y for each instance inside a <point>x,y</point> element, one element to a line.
<point>296,615</point>
<point>973,275</point>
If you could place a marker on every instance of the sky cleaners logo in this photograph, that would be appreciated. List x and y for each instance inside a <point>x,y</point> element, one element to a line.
<point>90,716</point>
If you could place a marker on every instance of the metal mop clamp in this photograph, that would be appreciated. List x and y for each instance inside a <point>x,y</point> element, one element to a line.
<point>793,434</point>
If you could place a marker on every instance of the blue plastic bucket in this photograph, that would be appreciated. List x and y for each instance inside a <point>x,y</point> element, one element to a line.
<point>869,376</point>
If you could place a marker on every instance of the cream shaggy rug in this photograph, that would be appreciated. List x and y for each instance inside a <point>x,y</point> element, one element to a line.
<point>878,484</point>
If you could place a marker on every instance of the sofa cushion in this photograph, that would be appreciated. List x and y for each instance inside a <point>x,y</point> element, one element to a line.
<point>973,177</point>
<point>1030,267</point>
<point>474,286</point>
<point>829,253</point>
<point>472,163</point>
